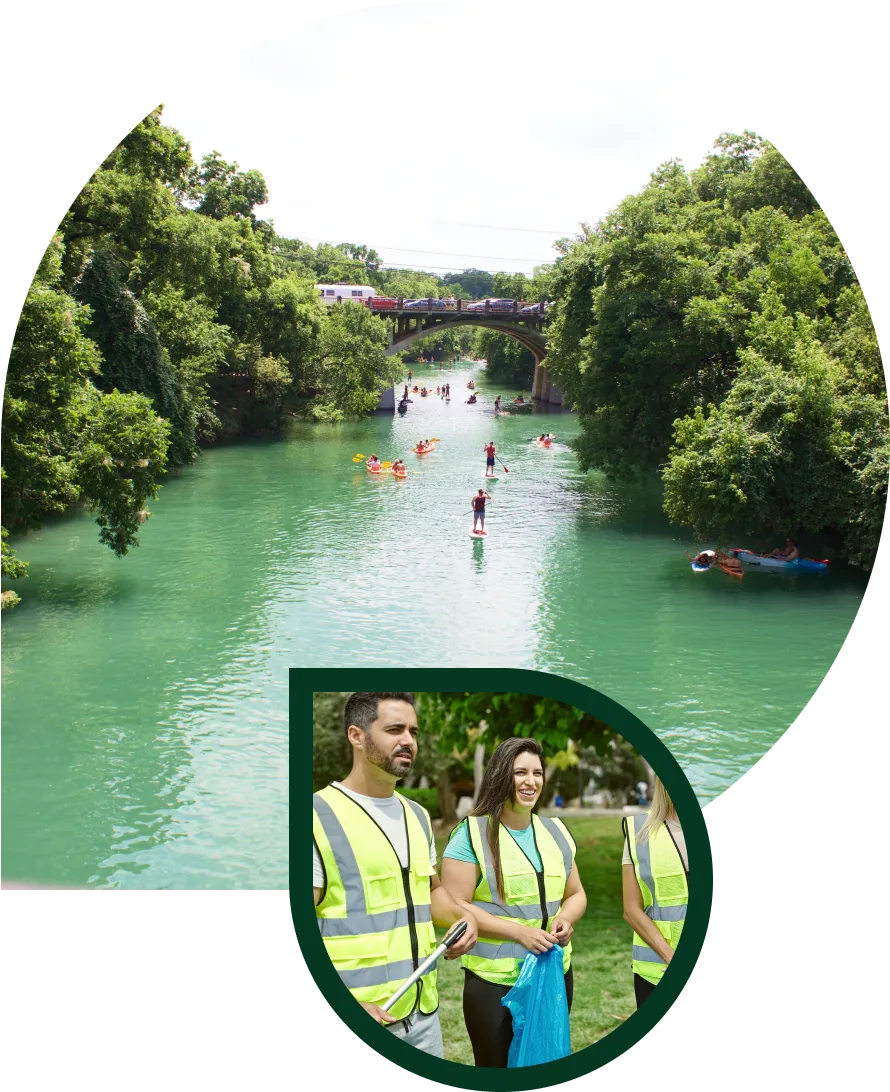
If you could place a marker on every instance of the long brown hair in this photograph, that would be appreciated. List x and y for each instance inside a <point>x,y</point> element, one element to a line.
<point>496,790</point>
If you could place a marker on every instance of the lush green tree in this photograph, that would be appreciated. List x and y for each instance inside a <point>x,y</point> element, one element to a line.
<point>218,189</point>
<point>121,448</point>
<point>508,359</point>
<point>348,366</point>
<point>63,439</point>
<point>133,358</point>
<point>476,282</point>
<point>697,310</point>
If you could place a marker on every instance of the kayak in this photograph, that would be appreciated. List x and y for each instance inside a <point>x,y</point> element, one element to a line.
<point>422,450</point>
<point>396,474</point>
<point>539,444</point>
<point>374,469</point>
<point>807,564</point>
<point>478,534</point>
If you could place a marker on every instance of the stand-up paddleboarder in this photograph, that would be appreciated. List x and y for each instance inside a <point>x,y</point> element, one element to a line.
<point>479,509</point>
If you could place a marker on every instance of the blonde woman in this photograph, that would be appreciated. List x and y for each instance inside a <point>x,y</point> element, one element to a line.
<point>655,881</point>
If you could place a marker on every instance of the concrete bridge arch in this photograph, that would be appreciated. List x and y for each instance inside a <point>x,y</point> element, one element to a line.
<point>412,325</point>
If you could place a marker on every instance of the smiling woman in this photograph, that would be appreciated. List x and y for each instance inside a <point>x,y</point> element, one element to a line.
<point>516,873</point>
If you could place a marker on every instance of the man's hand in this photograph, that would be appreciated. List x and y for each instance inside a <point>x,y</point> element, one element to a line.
<point>466,942</point>
<point>561,930</point>
<point>377,1013</point>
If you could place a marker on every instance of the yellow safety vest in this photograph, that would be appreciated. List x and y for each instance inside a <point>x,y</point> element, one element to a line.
<point>665,890</point>
<point>374,915</point>
<point>530,897</point>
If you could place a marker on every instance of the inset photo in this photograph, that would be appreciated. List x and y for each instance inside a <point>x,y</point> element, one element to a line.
<point>503,876</point>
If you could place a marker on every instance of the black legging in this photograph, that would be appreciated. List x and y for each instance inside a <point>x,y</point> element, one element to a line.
<point>489,1024</point>
<point>642,988</point>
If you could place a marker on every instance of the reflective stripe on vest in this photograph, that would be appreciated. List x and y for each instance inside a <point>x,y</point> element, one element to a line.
<point>664,889</point>
<point>375,932</point>
<point>496,960</point>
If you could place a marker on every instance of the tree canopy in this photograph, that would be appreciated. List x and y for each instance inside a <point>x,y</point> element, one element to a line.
<point>711,328</point>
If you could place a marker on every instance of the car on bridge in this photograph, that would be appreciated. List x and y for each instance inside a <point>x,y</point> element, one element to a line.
<point>383,303</point>
<point>431,304</point>
<point>492,305</point>
<point>534,308</point>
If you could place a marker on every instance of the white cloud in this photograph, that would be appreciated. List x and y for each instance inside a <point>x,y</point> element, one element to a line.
<point>375,126</point>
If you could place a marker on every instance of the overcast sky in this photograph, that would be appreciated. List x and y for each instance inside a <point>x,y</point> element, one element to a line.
<point>448,137</point>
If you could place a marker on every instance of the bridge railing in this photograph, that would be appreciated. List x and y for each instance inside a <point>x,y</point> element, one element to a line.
<point>384,305</point>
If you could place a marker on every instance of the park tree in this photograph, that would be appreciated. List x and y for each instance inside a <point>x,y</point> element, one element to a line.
<point>218,189</point>
<point>710,328</point>
<point>348,366</point>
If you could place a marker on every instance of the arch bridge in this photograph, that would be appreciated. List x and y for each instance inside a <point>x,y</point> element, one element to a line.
<point>410,324</point>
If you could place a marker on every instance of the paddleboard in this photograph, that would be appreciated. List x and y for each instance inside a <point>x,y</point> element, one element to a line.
<point>478,534</point>
<point>490,477</point>
<point>696,568</point>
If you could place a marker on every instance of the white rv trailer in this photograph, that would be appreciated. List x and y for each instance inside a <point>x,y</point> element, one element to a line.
<point>343,293</point>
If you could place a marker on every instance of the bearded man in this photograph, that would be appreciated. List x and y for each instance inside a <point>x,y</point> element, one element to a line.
<point>377,894</point>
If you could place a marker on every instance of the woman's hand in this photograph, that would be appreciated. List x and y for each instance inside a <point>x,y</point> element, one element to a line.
<point>534,939</point>
<point>561,929</point>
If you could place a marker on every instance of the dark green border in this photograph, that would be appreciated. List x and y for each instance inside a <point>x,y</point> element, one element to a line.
<point>305,682</point>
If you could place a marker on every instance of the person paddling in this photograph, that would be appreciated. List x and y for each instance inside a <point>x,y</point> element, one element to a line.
<point>489,450</point>
<point>479,509</point>
<point>497,403</point>
<point>789,553</point>
<point>373,463</point>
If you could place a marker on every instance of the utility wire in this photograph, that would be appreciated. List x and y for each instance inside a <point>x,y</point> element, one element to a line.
<point>440,253</point>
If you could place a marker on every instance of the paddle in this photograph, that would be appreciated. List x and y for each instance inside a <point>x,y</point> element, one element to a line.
<point>385,466</point>
<point>358,458</point>
<point>506,471</point>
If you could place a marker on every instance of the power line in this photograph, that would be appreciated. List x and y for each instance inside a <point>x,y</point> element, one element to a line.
<point>440,253</point>
<point>344,260</point>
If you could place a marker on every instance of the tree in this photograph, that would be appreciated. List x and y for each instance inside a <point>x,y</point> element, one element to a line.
<point>348,366</point>
<point>133,358</point>
<point>476,282</point>
<point>218,189</point>
<point>689,303</point>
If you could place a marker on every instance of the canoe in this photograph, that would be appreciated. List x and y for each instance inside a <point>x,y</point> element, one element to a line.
<point>804,564</point>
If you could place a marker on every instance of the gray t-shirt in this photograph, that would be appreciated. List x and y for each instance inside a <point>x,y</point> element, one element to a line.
<point>388,814</point>
<point>674,827</point>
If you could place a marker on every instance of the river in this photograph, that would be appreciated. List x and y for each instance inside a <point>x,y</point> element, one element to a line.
<point>145,699</point>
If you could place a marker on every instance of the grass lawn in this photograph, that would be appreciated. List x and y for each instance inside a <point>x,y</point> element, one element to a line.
<point>601,948</point>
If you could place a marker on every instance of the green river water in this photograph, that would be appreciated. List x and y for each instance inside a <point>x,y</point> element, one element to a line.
<point>145,700</point>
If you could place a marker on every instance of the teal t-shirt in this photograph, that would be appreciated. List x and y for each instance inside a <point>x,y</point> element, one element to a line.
<point>460,848</point>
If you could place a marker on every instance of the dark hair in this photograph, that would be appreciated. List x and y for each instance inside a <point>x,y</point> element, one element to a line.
<point>496,790</point>
<point>361,708</point>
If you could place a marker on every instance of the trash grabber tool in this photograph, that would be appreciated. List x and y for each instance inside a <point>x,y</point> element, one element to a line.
<point>451,937</point>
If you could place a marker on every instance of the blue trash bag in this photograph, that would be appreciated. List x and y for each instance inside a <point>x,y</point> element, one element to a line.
<point>540,1011</point>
